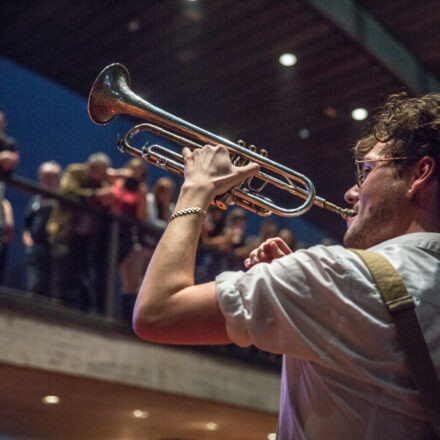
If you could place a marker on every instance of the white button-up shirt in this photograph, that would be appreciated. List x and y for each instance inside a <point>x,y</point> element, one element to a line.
<point>345,376</point>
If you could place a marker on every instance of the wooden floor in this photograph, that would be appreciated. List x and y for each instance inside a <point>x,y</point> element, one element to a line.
<point>91,409</point>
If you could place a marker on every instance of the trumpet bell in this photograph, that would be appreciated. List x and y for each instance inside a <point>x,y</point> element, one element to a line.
<point>106,96</point>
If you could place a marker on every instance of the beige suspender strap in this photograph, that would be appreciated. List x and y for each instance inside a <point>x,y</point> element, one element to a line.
<point>401,306</point>
<point>388,281</point>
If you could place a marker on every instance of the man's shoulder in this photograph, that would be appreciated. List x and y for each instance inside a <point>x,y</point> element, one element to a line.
<point>76,171</point>
<point>406,242</point>
<point>323,252</point>
<point>76,167</point>
<point>416,240</point>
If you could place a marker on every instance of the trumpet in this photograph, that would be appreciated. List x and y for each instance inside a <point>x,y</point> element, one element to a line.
<point>111,96</point>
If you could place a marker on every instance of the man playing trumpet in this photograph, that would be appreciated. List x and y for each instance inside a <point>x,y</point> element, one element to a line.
<point>345,374</point>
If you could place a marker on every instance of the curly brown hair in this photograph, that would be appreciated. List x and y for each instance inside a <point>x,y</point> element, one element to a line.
<point>409,126</point>
<point>364,145</point>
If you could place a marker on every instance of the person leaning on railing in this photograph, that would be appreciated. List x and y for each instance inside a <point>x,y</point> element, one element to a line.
<point>79,236</point>
<point>130,190</point>
<point>37,248</point>
<point>9,158</point>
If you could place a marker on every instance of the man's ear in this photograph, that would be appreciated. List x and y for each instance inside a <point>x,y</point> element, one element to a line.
<point>422,173</point>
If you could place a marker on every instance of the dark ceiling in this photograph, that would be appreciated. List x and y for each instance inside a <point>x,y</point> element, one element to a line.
<point>215,63</point>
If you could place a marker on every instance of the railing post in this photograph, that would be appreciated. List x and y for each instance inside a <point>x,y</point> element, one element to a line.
<point>112,268</point>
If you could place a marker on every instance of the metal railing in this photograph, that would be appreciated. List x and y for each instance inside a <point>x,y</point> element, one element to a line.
<point>209,263</point>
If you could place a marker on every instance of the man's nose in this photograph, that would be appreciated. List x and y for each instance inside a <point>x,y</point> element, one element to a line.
<point>352,195</point>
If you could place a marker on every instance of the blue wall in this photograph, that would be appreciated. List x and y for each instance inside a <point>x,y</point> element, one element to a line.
<point>51,122</point>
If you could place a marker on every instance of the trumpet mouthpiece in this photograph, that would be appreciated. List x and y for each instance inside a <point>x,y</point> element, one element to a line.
<point>347,213</point>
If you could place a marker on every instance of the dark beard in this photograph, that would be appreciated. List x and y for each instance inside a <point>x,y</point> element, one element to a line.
<point>360,238</point>
<point>373,229</point>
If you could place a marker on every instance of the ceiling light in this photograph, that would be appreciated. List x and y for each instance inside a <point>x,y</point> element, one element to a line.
<point>272,436</point>
<point>288,59</point>
<point>140,414</point>
<point>359,114</point>
<point>304,133</point>
<point>133,26</point>
<point>331,112</point>
<point>212,426</point>
<point>194,14</point>
<point>50,400</point>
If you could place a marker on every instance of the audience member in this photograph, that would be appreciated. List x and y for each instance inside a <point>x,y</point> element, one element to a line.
<point>161,203</point>
<point>268,229</point>
<point>289,238</point>
<point>209,257</point>
<point>6,233</point>
<point>38,253</point>
<point>328,241</point>
<point>130,200</point>
<point>9,158</point>
<point>235,230</point>
<point>79,236</point>
<point>213,232</point>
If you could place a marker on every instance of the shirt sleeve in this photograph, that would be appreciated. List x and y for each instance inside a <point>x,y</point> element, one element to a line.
<point>306,304</point>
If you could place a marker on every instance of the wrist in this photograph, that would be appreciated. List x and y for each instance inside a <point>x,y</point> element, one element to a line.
<point>196,194</point>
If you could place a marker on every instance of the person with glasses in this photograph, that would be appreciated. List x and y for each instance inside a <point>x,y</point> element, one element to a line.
<point>345,375</point>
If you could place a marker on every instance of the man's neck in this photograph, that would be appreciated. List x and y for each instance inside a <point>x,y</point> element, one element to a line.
<point>424,223</point>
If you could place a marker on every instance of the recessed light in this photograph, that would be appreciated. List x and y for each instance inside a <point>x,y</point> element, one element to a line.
<point>50,400</point>
<point>304,133</point>
<point>212,426</point>
<point>140,414</point>
<point>331,112</point>
<point>359,114</point>
<point>288,59</point>
<point>133,26</point>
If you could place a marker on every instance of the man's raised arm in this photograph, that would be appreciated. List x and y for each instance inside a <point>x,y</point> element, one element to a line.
<point>169,307</point>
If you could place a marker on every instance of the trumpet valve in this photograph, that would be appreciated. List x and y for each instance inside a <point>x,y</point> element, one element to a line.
<point>145,152</point>
<point>225,200</point>
<point>121,145</point>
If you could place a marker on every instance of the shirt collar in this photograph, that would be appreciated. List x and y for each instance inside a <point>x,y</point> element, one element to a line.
<point>424,240</point>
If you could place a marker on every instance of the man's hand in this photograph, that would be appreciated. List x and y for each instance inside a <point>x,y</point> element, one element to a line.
<point>268,251</point>
<point>211,168</point>
<point>8,160</point>
<point>9,223</point>
<point>114,173</point>
<point>105,196</point>
<point>27,239</point>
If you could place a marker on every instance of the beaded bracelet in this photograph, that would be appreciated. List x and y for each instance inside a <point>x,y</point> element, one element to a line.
<point>195,210</point>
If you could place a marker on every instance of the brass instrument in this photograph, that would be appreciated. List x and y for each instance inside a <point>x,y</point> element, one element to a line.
<point>111,95</point>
